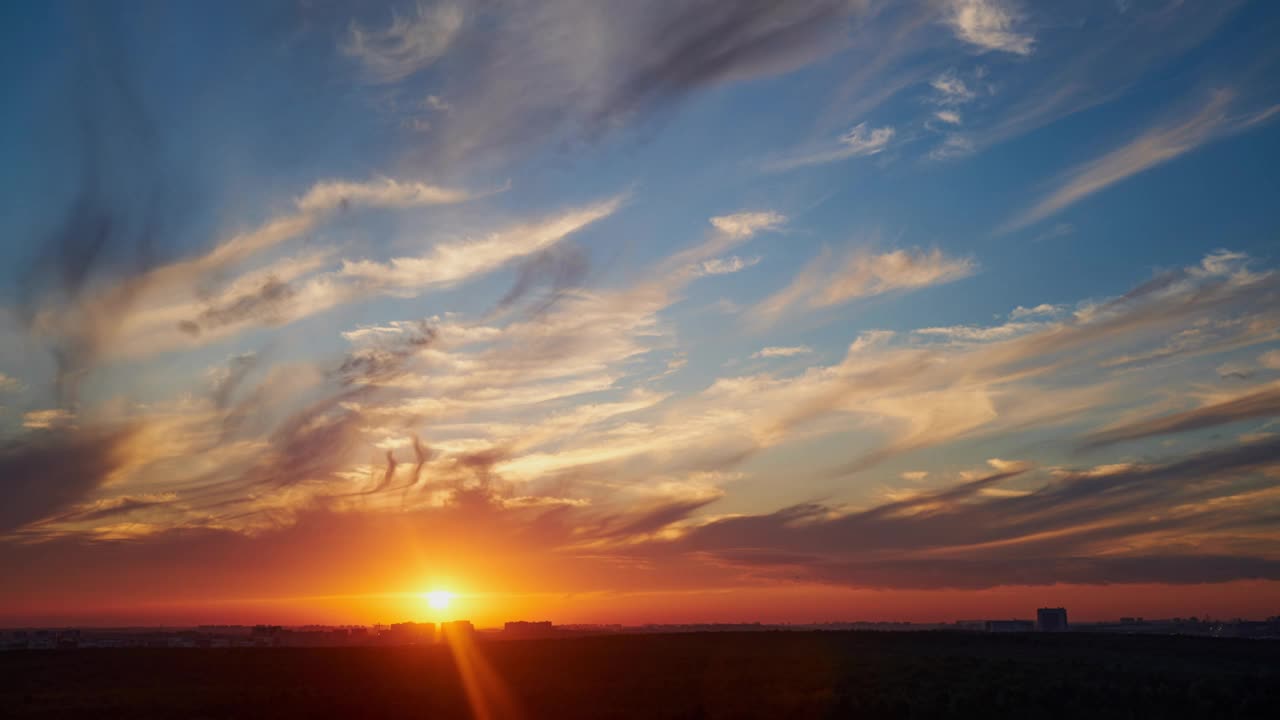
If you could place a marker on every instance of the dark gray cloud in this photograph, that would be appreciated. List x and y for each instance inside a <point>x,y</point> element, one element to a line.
<point>126,154</point>
<point>521,71</point>
<point>966,574</point>
<point>264,305</point>
<point>966,537</point>
<point>685,45</point>
<point>45,472</point>
<point>1261,404</point>
<point>128,196</point>
<point>381,362</point>
<point>112,508</point>
<point>645,520</point>
<point>238,368</point>
<point>315,441</point>
<point>556,270</point>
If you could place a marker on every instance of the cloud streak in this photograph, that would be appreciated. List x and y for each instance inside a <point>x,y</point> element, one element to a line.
<point>958,537</point>
<point>410,44</point>
<point>863,274</point>
<point>859,141</point>
<point>1262,403</point>
<point>1211,121</point>
<point>989,25</point>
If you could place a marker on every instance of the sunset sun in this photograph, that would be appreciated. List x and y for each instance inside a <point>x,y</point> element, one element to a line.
<point>438,599</point>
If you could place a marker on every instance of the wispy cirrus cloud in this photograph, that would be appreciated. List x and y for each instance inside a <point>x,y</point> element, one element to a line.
<point>1255,403</point>
<point>47,419</point>
<point>449,263</point>
<point>949,117</point>
<point>1124,525</point>
<point>297,287</point>
<point>954,146</point>
<point>746,224</point>
<point>1210,121</point>
<point>860,141</point>
<point>409,44</point>
<point>730,231</point>
<point>989,25</point>
<point>139,314</point>
<point>970,333</point>
<point>860,274</point>
<point>727,265</point>
<point>541,70</point>
<point>1037,311</point>
<point>782,351</point>
<point>543,415</point>
<point>378,193</point>
<point>951,89</point>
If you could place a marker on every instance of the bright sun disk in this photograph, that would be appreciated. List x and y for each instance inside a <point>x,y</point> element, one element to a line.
<point>439,599</point>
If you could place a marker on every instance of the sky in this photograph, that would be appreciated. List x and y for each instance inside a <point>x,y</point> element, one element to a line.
<point>603,311</point>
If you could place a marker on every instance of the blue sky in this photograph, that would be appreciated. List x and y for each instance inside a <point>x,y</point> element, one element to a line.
<point>648,272</point>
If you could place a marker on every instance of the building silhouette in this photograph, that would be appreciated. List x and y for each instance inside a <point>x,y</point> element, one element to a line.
<point>458,628</point>
<point>1009,626</point>
<point>523,629</point>
<point>1051,619</point>
<point>409,633</point>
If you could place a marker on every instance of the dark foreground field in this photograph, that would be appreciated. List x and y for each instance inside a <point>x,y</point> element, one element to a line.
<point>787,675</point>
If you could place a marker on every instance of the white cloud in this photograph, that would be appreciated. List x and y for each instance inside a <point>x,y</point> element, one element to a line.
<point>142,314</point>
<point>381,193</point>
<point>46,419</point>
<point>409,44</point>
<point>289,289</point>
<point>746,224</point>
<point>1153,147</point>
<point>948,116</point>
<point>971,333</point>
<point>952,147</point>
<point>777,352</point>
<point>725,266</point>
<point>860,141</point>
<point>449,263</point>
<point>863,274</point>
<point>1006,466</point>
<point>988,24</point>
<point>1270,360</point>
<point>916,396</point>
<point>1233,371</point>
<point>863,141</point>
<point>866,274</point>
<point>8,383</point>
<point>560,398</point>
<point>951,89</point>
<point>730,231</point>
<point>1041,310</point>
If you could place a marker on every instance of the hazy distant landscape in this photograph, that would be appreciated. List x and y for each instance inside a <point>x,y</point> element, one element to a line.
<point>695,675</point>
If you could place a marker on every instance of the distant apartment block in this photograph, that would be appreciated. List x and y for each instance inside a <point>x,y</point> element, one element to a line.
<point>523,629</point>
<point>1009,626</point>
<point>457,628</point>
<point>409,633</point>
<point>1051,619</point>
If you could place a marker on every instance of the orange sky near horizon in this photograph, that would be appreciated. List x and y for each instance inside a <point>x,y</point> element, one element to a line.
<point>782,604</point>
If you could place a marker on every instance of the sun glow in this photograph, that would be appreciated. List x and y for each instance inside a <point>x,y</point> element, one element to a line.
<point>438,599</point>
